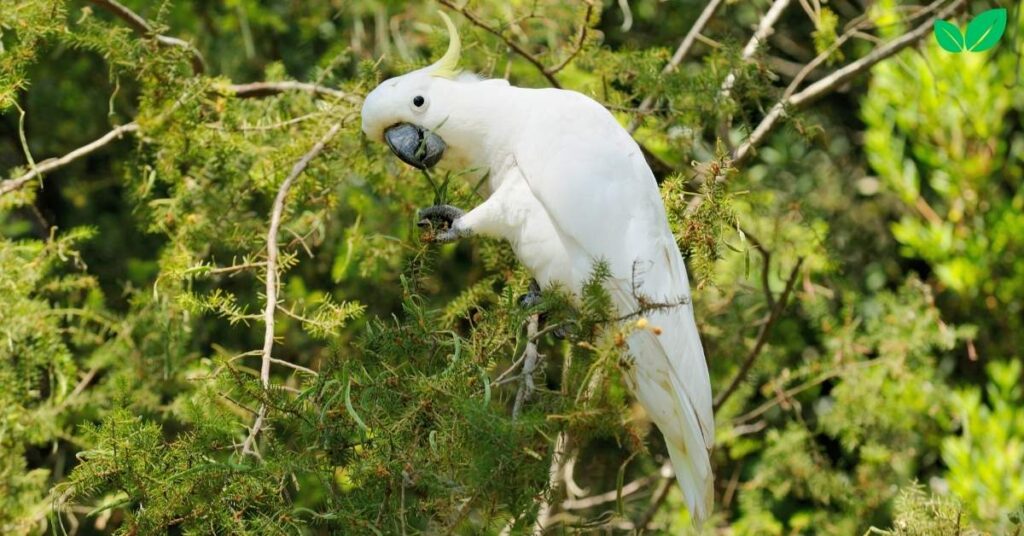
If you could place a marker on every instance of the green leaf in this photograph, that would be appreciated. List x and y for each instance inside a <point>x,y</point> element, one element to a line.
<point>985,30</point>
<point>949,36</point>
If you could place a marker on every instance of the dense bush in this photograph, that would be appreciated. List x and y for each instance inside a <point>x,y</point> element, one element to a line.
<point>858,282</point>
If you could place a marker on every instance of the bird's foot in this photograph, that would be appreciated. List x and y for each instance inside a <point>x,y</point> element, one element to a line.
<point>438,223</point>
<point>533,298</point>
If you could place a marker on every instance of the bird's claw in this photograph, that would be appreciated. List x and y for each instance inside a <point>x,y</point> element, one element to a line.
<point>438,223</point>
<point>532,297</point>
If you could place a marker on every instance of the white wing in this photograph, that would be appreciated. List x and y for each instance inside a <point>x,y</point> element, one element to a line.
<point>592,180</point>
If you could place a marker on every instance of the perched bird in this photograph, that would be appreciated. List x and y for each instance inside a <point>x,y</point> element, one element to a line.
<point>568,187</point>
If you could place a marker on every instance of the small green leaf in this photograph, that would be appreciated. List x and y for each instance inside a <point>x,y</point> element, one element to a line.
<point>985,30</point>
<point>949,36</point>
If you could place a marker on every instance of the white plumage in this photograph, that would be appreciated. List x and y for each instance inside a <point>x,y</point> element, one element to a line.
<point>569,187</point>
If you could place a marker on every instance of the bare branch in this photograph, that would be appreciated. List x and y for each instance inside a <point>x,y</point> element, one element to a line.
<point>838,78</point>
<point>267,89</point>
<point>658,499</point>
<point>51,164</point>
<point>509,42</point>
<point>762,337</point>
<point>761,34</point>
<point>581,40</point>
<point>766,259</point>
<point>272,276</point>
<point>143,27</point>
<point>531,358</point>
<point>555,472</point>
<point>679,55</point>
<point>612,495</point>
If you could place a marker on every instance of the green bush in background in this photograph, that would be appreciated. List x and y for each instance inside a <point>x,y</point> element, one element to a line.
<point>864,259</point>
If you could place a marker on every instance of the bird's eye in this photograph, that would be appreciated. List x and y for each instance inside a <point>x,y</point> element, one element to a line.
<point>418,101</point>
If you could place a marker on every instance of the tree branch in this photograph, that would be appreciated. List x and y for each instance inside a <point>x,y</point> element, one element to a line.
<point>581,39</point>
<point>509,42</point>
<point>679,56</point>
<point>610,496</point>
<point>762,337</point>
<point>761,34</point>
<point>143,27</point>
<point>531,358</point>
<point>658,499</point>
<point>51,164</point>
<point>555,471</point>
<point>836,79</point>
<point>267,89</point>
<point>248,447</point>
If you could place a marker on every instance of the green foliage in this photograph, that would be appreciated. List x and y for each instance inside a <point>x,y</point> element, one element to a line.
<point>133,289</point>
<point>985,462</point>
<point>942,137</point>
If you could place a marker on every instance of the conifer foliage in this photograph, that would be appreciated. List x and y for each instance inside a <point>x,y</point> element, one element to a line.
<point>218,316</point>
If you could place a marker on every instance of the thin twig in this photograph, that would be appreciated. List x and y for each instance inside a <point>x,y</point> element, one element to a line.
<point>658,499</point>
<point>761,34</point>
<point>267,89</point>
<point>610,496</point>
<point>531,357</point>
<point>836,79</point>
<point>272,276</point>
<point>555,472</point>
<point>51,164</point>
<point>581,40</point>
<point>789,393</point>
<point>766,259</point>
<point>509,42</point>
<point>762,337</point>
<point>143,27</point>
<point>679,55</point>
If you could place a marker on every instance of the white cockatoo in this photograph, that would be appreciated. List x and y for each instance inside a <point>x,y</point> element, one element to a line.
<point>568,187</point>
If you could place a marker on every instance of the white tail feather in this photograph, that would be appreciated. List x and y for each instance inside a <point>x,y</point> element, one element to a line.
<point>698,491</point>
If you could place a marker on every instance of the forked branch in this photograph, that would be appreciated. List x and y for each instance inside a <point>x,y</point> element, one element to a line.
<point>143,27</point>
<point>249,446</point>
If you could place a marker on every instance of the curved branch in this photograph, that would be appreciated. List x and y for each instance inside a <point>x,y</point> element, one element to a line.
<point>764,30</point>
<point>248,447</point>
<point>267,89</point>
<point>762,338</point>
<point>679,55</point>
<point>509,42</point>
<point>143,27</point>
<point>51,164</point>
<point>832,81</point>
<point>581,40</point>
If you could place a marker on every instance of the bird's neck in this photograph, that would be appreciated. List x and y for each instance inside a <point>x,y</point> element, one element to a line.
<point>482,125</point>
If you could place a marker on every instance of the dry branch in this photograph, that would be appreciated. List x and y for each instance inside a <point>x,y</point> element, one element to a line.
<point>837,78</point>
<point>248,447</point>
<point>581,39</point>
<point>764,29</point>
<point>143,27</point>
<point>679,55</point>
<point>509,42</point>
<point>267,89</point>
<point>51,164</point>
<point>531,358</point>
<point>762,337</point>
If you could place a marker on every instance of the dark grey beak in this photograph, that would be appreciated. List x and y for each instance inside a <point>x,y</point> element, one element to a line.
<point>415,145</point>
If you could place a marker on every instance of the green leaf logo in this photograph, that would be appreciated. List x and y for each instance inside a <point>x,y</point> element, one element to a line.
<point>983,32</point>
<point>949,36</point>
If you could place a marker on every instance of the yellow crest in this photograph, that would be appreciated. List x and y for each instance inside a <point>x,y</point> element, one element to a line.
<point>448,65</point>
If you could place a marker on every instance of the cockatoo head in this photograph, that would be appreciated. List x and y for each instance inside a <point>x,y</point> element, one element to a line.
<point>406,111</point>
